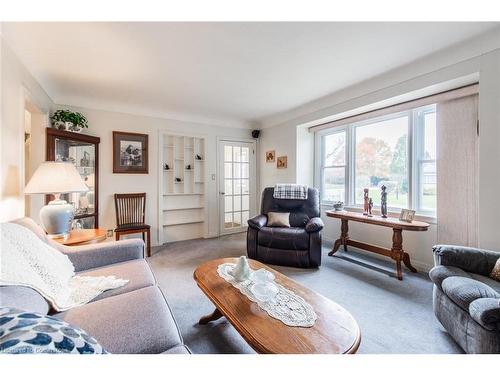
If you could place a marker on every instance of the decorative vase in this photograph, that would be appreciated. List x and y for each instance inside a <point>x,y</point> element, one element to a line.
<point>69,126</point>
<point>241,270</point>
<point>338,206</point>
<point>59,125</point>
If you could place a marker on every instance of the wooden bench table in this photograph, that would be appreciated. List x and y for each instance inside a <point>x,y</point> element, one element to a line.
<point>396,252</point>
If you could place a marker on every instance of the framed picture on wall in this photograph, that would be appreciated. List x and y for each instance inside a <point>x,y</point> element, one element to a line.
<point>282,162</point>
<point>130,153</point>
<point>270,156</point>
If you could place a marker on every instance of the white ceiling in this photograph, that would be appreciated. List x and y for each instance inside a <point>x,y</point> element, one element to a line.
<point>225,73</point>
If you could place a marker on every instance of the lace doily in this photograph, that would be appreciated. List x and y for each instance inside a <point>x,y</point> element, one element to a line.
<point>288,307</point>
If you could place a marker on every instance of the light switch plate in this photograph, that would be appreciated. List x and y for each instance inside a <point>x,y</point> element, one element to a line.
<point>109,233</point>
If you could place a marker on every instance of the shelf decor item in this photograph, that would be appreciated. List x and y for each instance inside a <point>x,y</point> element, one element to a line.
<point>56,178</point>
<point>338,206</point>
<point>407,215</point>
<point>130,153</point>
<point>67,120</point>
<point>241,270</point>
<point>366,201</point>
<point>383,201</point>
<point>198,157</point>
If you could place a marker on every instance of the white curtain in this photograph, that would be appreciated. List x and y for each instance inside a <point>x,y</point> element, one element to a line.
<point>457,171</point>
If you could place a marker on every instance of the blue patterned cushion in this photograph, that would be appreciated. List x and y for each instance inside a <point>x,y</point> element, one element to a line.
<point>23,332</point>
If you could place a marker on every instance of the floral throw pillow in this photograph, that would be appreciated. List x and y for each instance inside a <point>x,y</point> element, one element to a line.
<point>23,332</point>
<point>495,272</point>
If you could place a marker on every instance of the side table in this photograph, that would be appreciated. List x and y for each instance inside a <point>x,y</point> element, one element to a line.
<point>83,237</point>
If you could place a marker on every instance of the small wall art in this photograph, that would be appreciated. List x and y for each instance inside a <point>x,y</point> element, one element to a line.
<point>130,152</point>
<point>282,162</point>
<point>270,156</point>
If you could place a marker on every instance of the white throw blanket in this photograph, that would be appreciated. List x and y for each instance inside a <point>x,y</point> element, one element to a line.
<point>26,260</point>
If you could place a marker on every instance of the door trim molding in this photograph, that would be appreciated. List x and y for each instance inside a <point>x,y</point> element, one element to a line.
<point>219,140</point>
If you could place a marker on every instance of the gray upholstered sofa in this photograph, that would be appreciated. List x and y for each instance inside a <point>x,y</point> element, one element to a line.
<point>135,318</point>
<point>466,299</point>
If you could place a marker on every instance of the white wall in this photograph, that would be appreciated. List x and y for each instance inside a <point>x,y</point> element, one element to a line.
<point>103,123</point>
<point>281,139</point>
<point>476,56</point>
<point>17,86</point>
<point>489,150</point>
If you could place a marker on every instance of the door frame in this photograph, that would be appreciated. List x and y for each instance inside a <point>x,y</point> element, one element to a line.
<point>252,176</point>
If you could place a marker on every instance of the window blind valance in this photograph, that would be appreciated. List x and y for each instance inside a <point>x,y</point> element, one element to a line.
<point>427,100</point>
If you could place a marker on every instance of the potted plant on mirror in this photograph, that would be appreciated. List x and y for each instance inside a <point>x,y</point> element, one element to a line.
<point>67,120</point>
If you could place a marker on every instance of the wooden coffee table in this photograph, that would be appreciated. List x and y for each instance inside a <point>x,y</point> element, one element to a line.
<point>334,332</point>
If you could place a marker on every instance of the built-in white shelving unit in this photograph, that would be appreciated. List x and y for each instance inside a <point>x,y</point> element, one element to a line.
<point>182,213</point>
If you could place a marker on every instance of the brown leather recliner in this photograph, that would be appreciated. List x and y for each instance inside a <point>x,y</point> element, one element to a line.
<point>297,246</point>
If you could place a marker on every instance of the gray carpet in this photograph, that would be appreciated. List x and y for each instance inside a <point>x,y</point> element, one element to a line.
<point>394,316</point>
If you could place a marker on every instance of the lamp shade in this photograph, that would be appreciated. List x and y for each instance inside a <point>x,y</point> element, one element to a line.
<point>55,177</point>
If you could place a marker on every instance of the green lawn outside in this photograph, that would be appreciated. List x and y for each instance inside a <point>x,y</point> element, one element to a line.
<point>393,200</point>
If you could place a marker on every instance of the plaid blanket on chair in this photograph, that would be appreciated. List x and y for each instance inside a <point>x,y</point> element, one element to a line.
<point>290,191</point>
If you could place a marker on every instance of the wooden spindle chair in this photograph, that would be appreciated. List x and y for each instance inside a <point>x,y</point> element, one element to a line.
<point>130,216</point>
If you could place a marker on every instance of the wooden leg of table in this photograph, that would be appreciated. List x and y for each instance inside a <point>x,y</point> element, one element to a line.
<point>406,261</point>
<point>117,236</point>
<point>336,246</point>
<point>397,250</point>
<point>208,318</point>
<point>344,237</point>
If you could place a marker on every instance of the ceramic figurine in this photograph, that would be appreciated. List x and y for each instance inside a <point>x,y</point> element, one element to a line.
<point>383,201</point>
<point>241,270</point>
<point>370,206</point>
<point>365,206</point>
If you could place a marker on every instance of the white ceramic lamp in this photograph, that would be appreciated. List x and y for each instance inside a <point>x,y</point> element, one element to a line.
<point>53,177</point>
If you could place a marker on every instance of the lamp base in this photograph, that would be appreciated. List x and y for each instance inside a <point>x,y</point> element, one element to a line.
<point>56,218</point>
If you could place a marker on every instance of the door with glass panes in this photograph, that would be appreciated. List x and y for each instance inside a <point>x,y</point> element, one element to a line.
<point>236,185</point>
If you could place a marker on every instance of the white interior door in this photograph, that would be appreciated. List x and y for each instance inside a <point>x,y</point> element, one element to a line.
<point>236,185</point>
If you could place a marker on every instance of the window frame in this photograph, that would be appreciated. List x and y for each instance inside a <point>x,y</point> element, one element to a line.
<point>337,130</point>
<point>418,161</point>
<point>414,145</point>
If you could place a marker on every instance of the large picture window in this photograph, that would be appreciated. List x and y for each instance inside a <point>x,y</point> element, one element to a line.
<point>334,169</point>
<point>397,150</point>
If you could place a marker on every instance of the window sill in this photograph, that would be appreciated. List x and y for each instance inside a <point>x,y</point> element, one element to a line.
<point>394,214</point>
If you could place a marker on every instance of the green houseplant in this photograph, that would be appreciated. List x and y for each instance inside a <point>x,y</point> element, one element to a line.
<point>67,120</point>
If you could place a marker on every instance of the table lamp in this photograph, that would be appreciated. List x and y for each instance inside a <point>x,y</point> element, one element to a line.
<point>53,177</point>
